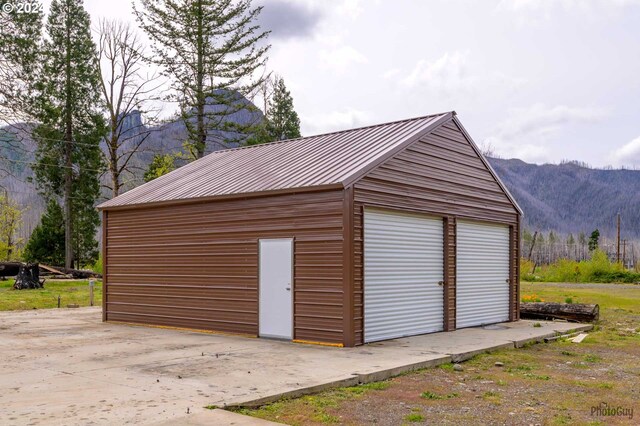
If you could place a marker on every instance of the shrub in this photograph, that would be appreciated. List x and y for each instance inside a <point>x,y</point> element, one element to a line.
<point>598,269</point>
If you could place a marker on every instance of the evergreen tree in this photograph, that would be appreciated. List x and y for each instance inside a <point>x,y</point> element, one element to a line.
<point>594,240</point>
<point>46,244</point>
<point>20,37</point>
<point>71,128</point>
<point>159,166</point>
<point>283,121</point>
<point>211,50</point>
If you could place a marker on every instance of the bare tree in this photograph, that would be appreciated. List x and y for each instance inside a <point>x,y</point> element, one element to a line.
<point>128,94</point>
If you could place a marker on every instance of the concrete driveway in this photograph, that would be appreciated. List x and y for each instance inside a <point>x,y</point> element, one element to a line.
<point>67,367</point>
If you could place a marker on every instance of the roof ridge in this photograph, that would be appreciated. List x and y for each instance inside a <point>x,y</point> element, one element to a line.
<point>332,133</point>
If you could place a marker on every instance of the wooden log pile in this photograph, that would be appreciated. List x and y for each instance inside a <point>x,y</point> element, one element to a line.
<point>574,312</point>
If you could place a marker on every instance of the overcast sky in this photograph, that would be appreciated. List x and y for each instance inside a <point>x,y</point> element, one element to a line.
<point>540,80</point>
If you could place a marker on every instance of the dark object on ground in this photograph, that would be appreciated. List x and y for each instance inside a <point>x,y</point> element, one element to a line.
<point>76,273</point>
<point>28,277</point>
<point>576,312</point>
<point>10,269</point>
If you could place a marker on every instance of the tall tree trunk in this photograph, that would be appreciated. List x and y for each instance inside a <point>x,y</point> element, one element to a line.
<point>68,173</point>
<point>200,95</point>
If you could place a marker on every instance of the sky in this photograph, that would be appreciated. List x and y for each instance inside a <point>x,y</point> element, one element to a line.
<point>540,80</point>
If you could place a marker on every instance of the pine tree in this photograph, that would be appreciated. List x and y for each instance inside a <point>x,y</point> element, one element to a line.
<point>20,37</point>
<point>211,50</point>
<point>46,244</point>
<point>283,121</point>
<point>68,154</point>
<point>594,240</point>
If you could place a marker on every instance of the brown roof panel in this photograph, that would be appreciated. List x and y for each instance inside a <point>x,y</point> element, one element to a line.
<point>316,161</point>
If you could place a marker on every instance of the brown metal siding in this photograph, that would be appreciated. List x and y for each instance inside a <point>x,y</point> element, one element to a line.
<point>195,265</point>
<point>450,273</point>
<point>515,271</point>
<point>441,174</point>
<point>358,273</point>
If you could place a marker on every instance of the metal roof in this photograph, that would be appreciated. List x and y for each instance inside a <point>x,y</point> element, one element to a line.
<point>331,159</point>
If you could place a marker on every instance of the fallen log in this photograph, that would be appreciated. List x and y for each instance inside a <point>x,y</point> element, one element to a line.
<point>75,273</point>
<point>10,269</point>
<point>575,312</point>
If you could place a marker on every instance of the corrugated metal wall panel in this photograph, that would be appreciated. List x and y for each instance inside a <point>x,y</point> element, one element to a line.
<point>450,273</point>
<point>421,180</point>
<point>403,265</point>
<point>483,274</point>
<point>196,265</point>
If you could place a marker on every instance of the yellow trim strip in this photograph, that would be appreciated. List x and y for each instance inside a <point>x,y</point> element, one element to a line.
<point>168,327</point>
<point>311,342</point>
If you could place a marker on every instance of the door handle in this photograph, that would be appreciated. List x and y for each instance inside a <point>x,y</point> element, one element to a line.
<point>440,283</point>
<point>288,288</point>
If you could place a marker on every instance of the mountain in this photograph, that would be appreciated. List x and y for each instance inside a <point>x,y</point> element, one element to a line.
<point>17,150</point>
<point>568,197</point>
<point>571,197</point>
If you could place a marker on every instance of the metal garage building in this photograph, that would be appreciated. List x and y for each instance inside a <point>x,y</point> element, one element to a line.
<point>345,238</point>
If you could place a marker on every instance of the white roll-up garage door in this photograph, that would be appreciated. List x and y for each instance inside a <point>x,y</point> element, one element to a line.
<point>403,271</point>
<point>482,274</point>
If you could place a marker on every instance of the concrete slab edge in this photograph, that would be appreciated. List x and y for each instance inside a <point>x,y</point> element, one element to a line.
<point>540,339</point>
<point>353,380</point>
<point>376,376</point>
<point>295,393</point>
<point>460,357</point>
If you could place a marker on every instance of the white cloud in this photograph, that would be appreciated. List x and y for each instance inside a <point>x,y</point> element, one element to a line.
<point>627,155</point>
<point>574,5</point>
<point>526,132</point>
<point>532,153</point>
<point>341,59</point>
<point>454,74</point>
<point>336,120</point>
<point>391,73</point>
<point>447,72</point>
<point>534,11</point>
<point>539,119</point>
<point>351,8</point>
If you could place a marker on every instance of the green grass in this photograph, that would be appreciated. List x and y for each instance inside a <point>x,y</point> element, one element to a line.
<point>414,418</point>
<point>70,292</point>
<point>598,269</point>
<point>432,395</point>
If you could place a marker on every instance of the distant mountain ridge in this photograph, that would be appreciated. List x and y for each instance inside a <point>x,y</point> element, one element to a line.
<point>573,198</point>
<point>565,198</point>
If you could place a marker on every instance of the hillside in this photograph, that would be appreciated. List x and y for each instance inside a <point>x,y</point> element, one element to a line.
<point>564,198</point>
<point>572,198</point>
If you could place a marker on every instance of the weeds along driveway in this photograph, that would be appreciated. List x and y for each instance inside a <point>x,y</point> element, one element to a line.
<point>66,366</point>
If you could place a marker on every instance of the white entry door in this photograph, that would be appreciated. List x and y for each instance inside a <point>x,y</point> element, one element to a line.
<point>403,274</point>
<point>276,288</point>
<point>482,277</point>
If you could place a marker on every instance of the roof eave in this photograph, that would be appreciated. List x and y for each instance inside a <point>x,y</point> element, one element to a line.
<point>285,191</point>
